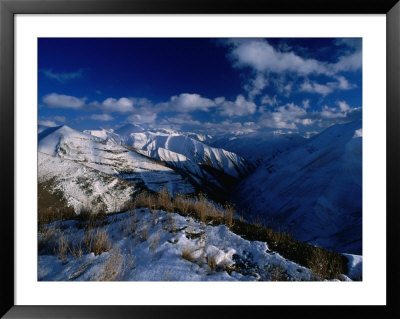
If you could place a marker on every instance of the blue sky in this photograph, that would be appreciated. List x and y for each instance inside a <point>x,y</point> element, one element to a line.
<point>204,85</point>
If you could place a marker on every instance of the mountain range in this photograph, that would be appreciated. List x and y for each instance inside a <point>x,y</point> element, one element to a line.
<point>310,188</point>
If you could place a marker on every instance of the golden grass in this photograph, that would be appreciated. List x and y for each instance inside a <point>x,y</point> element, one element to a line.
<point>187,254</point>
<point>96,241</point>
<point>112,269</point>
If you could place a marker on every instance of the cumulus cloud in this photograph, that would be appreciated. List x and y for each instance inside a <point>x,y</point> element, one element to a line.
<point>263,57</point>
<point>186,102</point>
<point>290,116</point>
<point>352,43</point>
<point>327,88</point>
<point>229,126</point>
<point>344,107</point>
<point>62,76</point>
<point>348,63</point>
<point>306,104</point>
<point>256,85</point>
<point>182,119</point>
<point>314,87</point>
<point>239,107</point>
<point>343,84</point>
<point>285,117</point>
<point>331,113</point>
<point>122,105</point>
<point>47,123</point>
<point>59,118</point>
<point>267,100</point>
<point>55,100</point>
<point>101,117</point>
<point>142,116</point>
<point>275,66</point>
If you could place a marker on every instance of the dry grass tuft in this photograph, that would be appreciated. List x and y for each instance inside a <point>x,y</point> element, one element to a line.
<point>229,212</point>
<point>187,254</point>
<point>154,243</point>
<point>144,233</point>
<point>112,269</point>
<point>63,248</point>
<point>276,273</point>
<point>325,263</point>
<point>47,236</point>
<point>96,241</point>
<point>212,262</point>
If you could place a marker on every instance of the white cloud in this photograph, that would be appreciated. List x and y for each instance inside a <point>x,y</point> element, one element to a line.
<point>263,57</point>
<point>267,100</point>
<point>343,84</point>
<point>62,76</point>
<point>142,116</point>
<point>332,113</point>
<point>344,107</point>
<point>352,43</point>
<point>306,104</point>
<point>186,102</point>
<point>183,119</point>
<point>350,62</point>
<point>219,100</point>
<point>307,121</point>
<point>256,85</point>
<point>285,117</point>
<point>47,123</point>
<point>240,107</point>
<point>229,126</point>
<point>59,118</point>
<point>122,105</point>
<point>101,117</point>
<point>314,87</point>
<point>55,100</point>
<point>329,87</point>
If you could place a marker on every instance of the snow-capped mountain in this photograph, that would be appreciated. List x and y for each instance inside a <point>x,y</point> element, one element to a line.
<point>313,191</point>
<point>206,166</point>
<point>171,143</point>
<point>257,147</point>
<point>83,187</point>
<point>110,158</point>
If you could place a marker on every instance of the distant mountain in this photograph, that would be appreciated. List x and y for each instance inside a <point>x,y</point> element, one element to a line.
<point>110,158</point>
<point>257,147</point>
<point>211,169</point>
<point>314,190</point>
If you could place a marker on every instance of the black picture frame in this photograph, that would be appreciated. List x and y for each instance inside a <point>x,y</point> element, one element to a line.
<point>8,8</point>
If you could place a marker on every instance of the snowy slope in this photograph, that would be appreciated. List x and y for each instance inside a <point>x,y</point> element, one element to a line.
<point>110,158</point>
<point>83,187</point>
<point>314,191</point>
<point>160,246</point>
<point>212,170</point>
<point>193,150</point>
<point>257,147</point>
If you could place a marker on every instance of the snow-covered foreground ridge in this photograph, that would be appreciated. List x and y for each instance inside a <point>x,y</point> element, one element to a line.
<point>153,245</point>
